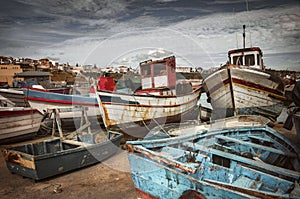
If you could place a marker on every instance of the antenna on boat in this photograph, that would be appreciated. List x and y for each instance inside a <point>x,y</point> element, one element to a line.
<point>244,36</point>
<point>248,22</point>
<point>236,34</point>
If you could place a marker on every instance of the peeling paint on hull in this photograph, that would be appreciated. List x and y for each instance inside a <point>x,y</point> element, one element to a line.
<point>16,122</point>
<point>241,162</point>
<point>244,91</point>
<point>55,156</point>
<point>126,111</point>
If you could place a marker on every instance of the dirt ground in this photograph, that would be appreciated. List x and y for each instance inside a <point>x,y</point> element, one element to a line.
<point>110,179</point>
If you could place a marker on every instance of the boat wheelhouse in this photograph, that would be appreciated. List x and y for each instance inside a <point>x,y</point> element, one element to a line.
<point>158,100</point>
<point>242,86</point>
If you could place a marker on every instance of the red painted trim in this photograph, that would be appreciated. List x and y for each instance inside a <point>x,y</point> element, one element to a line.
<point>59,101</point>
<point>13,113</point>
<point>247,84</point>
<point>257,86</point>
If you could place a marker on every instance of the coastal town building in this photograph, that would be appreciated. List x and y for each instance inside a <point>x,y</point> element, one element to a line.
<point>7,73</point>
<point>35,77</point>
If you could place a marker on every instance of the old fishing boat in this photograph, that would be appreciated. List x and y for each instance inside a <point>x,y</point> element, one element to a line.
<point>4,102</point>
<point>242,162</point>
<point>159,99</point>
<point>179,129</point>
<point>14,95</point>
<point>56,156</point>
<point>244,87</point>
<point>43,100</point>
<point>18,122</point>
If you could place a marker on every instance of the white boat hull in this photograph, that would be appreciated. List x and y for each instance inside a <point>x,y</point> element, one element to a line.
<point>132,111</point>
<point>237,91</point>
<point>16,96</point>
<point>66,111</point>
<point>18,121</point>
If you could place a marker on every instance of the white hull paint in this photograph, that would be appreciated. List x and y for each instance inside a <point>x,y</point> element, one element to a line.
<point>16,96</point>
<point>123,108</point>
<point>243,89</point>
<point>18,121</point>
<point>73,112</point>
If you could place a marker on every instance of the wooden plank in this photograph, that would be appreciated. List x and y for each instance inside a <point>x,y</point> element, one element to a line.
<point>253,145</point>
<point>262,165</point>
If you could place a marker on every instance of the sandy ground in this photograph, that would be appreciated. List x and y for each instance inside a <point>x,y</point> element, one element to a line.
<point>110,179</point>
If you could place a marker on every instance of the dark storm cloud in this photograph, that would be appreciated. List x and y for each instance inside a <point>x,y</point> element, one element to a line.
<point>42,28</point>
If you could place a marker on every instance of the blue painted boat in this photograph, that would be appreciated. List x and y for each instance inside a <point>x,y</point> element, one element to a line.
<point>42,100</point>
<point>242,162</point>
<point>57,156</point>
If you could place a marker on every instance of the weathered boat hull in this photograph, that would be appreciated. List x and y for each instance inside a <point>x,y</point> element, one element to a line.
<point>180,129</point>
<point>246,162</point>
<point>244,91</point>
<point>16,96</point>
<point>43,100</point>
<point>18,122</point>
<point>296,118</point>
<point>55,156</point>
<point>133,114</point>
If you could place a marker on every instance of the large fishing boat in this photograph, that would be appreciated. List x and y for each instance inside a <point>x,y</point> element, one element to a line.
<point>159,99</point>
<point>244,87</point>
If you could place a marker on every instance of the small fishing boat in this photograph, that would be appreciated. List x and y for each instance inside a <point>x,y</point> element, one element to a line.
<point>18,122</point>
<point>15,95</point>
<point>179,129</point>
<point>4,102</point>
<point>244,87</point>
<point>43,100</point>
<point>238,162</point>
<point>159,99</point>
<point>56,156</point>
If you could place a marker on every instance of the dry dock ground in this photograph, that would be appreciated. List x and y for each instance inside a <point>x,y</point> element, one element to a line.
<point>110,179</point>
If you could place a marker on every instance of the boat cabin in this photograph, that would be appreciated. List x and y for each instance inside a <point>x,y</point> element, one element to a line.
<point>251,57</point>
<point>158,74</point>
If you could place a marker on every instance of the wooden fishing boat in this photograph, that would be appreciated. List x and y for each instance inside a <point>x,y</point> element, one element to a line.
<point>241,162</point>
<point>18,122</point>
<point>14,95</point>
<point>56,156</point>
<point>159,99</point>
<point>244,87</point>
<point>43,100</point>
<point>4,102</point>
<point>179,129</point>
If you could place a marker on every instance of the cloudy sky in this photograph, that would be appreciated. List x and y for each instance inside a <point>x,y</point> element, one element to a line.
<point>116,32</point>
